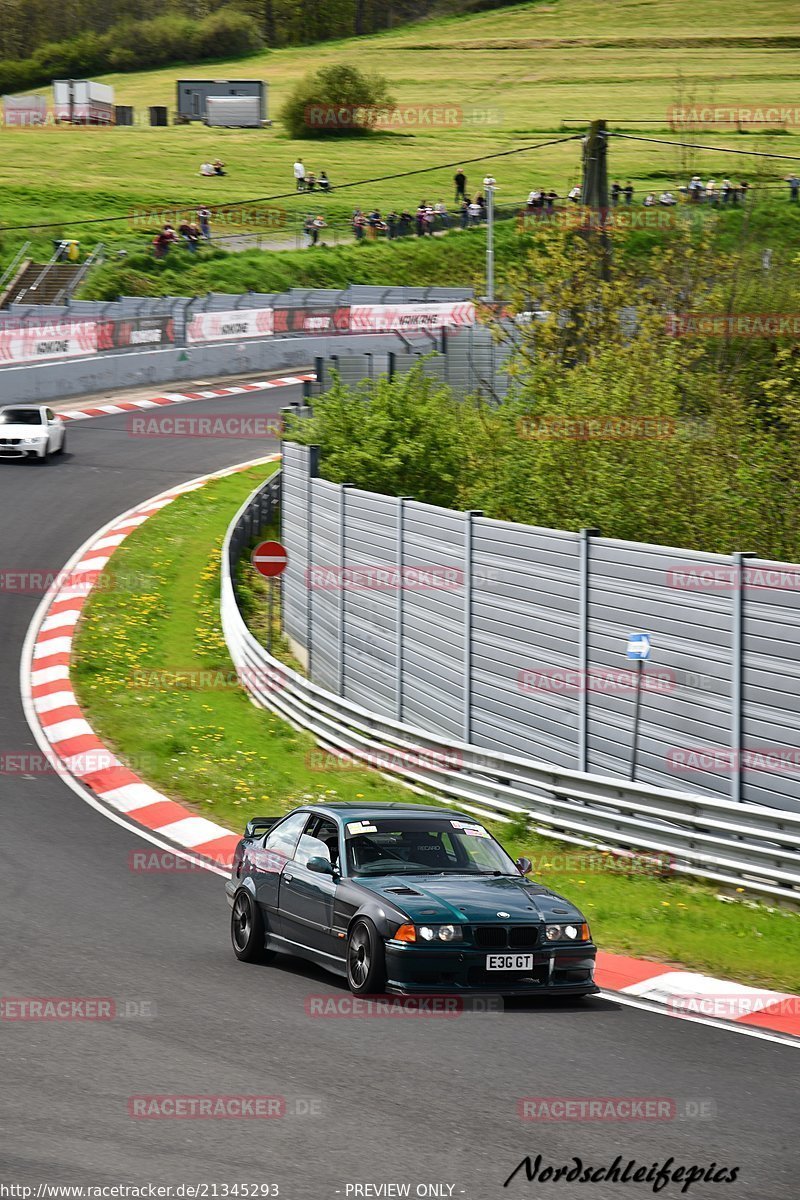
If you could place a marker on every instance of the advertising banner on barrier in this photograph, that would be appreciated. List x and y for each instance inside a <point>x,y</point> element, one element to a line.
<point>21,342</point>
<point>385,318</point>
<point>219,326</point>
<point>312,320</point>
<point>139,332</point>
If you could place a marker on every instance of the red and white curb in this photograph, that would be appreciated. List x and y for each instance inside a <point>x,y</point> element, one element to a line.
<point>56,718</point>
<point>166,398</point>
<point>99,777</point>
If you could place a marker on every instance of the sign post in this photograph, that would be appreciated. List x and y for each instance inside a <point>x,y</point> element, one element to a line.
<point>638,651</point>
<point>270,559</point>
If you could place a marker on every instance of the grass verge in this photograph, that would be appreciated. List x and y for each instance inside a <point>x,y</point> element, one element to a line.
<point>153,675</point>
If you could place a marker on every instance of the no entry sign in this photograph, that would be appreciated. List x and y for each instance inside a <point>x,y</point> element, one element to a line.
<point>270,558</point>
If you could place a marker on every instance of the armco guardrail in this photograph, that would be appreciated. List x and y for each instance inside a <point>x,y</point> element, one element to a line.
<point>741,845</point>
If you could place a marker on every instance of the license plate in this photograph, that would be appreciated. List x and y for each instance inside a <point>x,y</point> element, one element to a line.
<point>509,962</point>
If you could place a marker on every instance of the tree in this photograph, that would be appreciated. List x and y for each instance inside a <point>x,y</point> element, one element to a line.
<point>338,101</point>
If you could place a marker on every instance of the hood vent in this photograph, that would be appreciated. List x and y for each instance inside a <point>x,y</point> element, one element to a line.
<point>403,891</point>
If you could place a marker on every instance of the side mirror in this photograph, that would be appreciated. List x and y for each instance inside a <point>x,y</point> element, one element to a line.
<point>319,865</point>
<point>523,865</point>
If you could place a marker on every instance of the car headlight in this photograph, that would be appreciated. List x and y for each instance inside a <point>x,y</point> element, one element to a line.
<point>429,933</point>
<point>568,933</point>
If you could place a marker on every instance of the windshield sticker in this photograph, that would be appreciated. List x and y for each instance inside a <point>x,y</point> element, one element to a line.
<point>475,830</point>
<point>361,827</point>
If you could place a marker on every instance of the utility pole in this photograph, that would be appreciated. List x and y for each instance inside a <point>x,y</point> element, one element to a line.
<point>490,183</point>
<point>594,189</point>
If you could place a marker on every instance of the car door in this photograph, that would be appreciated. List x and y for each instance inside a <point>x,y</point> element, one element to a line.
<point>53,431</point>
<point>269,859</point>
<point>307,897</point>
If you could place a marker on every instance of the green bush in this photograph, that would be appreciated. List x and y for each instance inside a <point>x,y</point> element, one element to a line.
<point>330,91</point>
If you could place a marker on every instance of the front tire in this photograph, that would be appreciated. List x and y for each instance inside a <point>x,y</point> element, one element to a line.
<point>366,960</point>
<point>247,930</point>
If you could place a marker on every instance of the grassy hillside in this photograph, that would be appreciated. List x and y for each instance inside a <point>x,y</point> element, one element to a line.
<point>517,73</point>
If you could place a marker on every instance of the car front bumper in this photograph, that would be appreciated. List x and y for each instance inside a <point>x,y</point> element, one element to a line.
<point>413,970</point>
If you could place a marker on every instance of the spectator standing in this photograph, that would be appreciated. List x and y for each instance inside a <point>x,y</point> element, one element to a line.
<point>204,217</point>
<point>404,223</point>
<point>464,213</point>
<point>311,181</point>
<point>359,225</point>
<point>628,191</point>
<point>312,227</point>
<point>324,184</point>
<point>460,181</point>
<point>299,175</point>
<point>163,241</point>
<point>391,225</point>
<point>794,187</point>
<point>474,209</point>
<point>442,215</point>
<point>615,191</point>
<point>743,188</point>
<point>725,190</point>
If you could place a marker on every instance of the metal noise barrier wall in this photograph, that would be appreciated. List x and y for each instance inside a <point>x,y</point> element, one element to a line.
<point>516,640</point>
<point>736,844</point>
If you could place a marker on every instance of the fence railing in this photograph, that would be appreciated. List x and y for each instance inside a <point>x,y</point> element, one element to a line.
<point>746,846</point>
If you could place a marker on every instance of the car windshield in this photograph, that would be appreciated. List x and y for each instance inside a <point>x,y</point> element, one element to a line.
<point>411,845</point>
<point>21,416</point>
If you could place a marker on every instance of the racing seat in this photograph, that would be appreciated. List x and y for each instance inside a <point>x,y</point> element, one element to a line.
<point>426,849</point>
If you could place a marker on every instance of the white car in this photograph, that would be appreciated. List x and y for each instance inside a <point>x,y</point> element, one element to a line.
<point>31,431</point>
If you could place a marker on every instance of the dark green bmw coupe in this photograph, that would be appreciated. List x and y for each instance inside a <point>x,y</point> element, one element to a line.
<point>403,899</point>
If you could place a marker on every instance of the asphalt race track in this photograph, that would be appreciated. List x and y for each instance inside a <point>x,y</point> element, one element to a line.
<point>389,1100</point>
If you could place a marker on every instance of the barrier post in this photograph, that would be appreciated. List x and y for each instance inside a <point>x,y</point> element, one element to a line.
<point>313,472</point>
<point>398,642</point>
<point>340,663</point>
<point>469,518</point>
<point>737,670</point>
<point>583,645</point>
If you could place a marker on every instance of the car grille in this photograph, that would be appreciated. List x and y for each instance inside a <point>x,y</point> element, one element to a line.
<point>10,441</point>
<point>515,937</point>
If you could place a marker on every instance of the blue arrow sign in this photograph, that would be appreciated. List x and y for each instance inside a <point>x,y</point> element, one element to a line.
<point>639,646</point>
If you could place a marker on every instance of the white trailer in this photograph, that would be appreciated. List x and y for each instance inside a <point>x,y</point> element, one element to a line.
<point>234,112</point>
<point>83,102</point>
